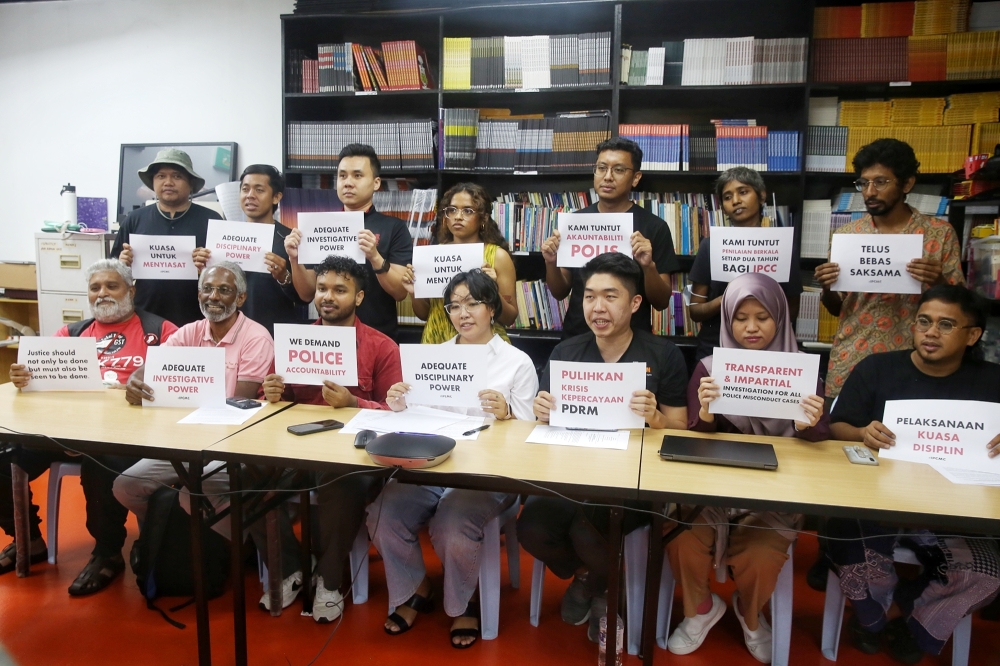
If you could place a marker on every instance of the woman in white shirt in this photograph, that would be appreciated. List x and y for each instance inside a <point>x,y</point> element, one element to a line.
<point>456,517</point>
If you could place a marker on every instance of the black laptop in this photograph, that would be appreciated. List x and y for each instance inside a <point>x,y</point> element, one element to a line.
<point>719,452</point>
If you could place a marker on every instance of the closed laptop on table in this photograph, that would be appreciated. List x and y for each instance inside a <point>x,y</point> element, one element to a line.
<point>718,452</point>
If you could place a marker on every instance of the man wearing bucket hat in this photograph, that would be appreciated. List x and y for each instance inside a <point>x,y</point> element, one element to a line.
<point>172,177</point>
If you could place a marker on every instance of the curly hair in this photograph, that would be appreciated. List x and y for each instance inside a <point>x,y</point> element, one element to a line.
<point>489,232</point>
<point>892,153</point>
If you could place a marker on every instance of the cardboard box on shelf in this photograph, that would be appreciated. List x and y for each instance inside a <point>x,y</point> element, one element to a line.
<point>18,276</point>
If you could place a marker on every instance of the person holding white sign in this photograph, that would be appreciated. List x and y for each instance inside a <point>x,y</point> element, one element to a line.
<point>464,217</point>
<point>456,517</point>
<point>743,195</point>
<point>876,323</point>
<point>616,172</point>
<point>385,241</point>
<point>755,316</point>
<point>570,539</point>
<point>944,364</point>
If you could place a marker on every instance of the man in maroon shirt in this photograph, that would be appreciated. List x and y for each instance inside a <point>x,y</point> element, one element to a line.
<point>340,284</point>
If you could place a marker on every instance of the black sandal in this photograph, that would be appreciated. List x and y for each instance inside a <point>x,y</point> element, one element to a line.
<point>8,558</point>
<point>418,603</point>
<point>472,610</point>
<point>97,575</point>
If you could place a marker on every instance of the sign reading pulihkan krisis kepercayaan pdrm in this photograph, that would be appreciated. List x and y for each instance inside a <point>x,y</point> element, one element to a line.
<point>595,396</point>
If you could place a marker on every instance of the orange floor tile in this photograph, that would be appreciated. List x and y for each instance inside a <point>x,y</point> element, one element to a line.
<point>40,624</point>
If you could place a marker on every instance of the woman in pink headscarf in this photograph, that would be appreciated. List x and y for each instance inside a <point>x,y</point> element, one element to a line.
<point>754,316</point>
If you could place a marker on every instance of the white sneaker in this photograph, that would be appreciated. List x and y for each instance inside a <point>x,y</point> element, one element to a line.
<point>327,604</point>
<point>758,641</point>
<point>290,588</point>
<point>691,632</point>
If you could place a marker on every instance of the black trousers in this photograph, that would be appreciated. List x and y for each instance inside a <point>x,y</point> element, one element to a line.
<point>105,515</point>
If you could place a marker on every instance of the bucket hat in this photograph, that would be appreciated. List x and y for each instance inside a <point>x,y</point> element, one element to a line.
<point>173,157</point>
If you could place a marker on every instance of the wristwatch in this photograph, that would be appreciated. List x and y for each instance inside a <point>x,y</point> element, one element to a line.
<point>385,267</point>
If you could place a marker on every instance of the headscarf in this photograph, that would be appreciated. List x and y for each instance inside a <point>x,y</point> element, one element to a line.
<point>769,294</point>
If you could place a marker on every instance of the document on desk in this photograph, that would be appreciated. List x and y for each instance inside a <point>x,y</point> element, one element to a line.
<point>225,415</point>
<point>968,477</point>
<point>945,433</point>
<point>415,419</point>
<point>594,439</point>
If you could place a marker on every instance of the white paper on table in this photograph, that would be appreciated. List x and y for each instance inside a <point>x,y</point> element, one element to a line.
<point>949,433</point>
<point>186,376</point>
<point>330,234</point>
<point>243,243</point>
<point>583,236</point>
<point>225,415</point>
<point>762,383</point>
<point>876,263</point>
<point>444,375</point>
<point>408,420</point>
<point>305,354</point>
<point>60,364</point>
<point>968,477</point>
<point>229,199</point>
<point>544,434</point>
<point>435,265</point>
<point>163,257</point>
<point>739,250</point>
<point>595,396</point>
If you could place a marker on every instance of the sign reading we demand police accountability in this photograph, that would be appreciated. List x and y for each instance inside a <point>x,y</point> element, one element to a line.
<point>186,376</point>
<point>163,257</point>
<point>595,396</point>
<point>583,236</point>
<point>950,433</point>
<point>762,383</point>
<point>312,354</point>
<point>739,250</point>
<point>330,234</point>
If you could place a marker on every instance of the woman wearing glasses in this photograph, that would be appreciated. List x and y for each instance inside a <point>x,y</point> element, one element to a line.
<point>456,517</point>
<point>464,217</point>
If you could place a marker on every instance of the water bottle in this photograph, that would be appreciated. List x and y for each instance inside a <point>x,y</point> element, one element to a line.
<point>68,194</point>
<point>602,642</point>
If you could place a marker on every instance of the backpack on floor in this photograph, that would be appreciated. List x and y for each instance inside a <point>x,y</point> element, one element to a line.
<point>161,556</point>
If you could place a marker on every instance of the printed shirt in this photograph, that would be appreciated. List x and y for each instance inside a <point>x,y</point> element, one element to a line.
<point>876,323</point>
<point>121,347</point>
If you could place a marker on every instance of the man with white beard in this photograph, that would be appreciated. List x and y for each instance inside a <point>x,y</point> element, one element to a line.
<point>123,334</point>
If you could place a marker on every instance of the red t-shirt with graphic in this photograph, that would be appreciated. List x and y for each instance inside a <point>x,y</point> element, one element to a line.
<point>121,347</point>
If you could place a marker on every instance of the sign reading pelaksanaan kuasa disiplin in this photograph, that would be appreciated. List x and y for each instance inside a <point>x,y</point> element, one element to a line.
<point>446,375</point>
<point>595,396</point>
<point>313,354</point>
<point>764,384</point>
<point>949,433</point>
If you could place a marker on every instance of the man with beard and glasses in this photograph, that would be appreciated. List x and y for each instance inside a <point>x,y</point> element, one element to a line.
<point>876,323</point>
<point>123,334</point>
<point>222,289</point>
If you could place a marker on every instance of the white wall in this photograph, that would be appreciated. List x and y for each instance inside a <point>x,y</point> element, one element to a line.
<point>80,78</point>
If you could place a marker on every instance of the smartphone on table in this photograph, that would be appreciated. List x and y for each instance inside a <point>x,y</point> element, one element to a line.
<point>315,426</point>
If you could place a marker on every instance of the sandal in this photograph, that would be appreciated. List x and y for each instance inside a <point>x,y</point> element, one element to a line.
<point>8,557</point>
<point>97,575</point>
<point>418,603</point>
<point>472,610</point>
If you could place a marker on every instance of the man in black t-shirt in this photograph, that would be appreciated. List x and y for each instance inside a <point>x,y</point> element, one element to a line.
<point>615,174</point>
<point>960,575</point>
<point>385,242</point>
<point>171,176</point>
<point>571,539</point>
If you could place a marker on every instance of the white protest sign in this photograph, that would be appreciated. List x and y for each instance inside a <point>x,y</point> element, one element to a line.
<point>163,257</point>
<point>325,234</point>
<point>186,376</point>
<point>444,375</point>
<point>311,354</point>
<point>435,265</point>
<point>583,236</point>
<point>876,263</point>
<point>243,243</point>
<point>739,250</point>
<point>949,433</point>
<point>60,364</point>
<point>762,383</point>
<point>595,396</point>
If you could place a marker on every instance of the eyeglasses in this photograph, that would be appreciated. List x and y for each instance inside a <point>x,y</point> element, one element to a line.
<point>618,170</point>
<point>468,306</point>
<point>451,212</point>
<point>944,326</point>
<point>880,184</point>
<point>223,291</point>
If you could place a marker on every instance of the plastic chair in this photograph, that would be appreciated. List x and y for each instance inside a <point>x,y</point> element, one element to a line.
<point>781,608</point>
<point>57,471</point>
<point>833,617</point>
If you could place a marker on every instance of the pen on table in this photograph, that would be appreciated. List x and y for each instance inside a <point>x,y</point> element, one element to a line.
<point>475,430</point>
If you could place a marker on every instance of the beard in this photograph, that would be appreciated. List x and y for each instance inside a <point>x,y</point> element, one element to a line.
<point>215,318</point>
<point>109,310</point>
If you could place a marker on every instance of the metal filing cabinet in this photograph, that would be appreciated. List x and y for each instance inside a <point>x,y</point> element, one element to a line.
<point>62,261</point>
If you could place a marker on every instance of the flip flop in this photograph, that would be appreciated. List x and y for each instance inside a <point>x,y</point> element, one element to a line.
<point>472,610</point>
<point>418,603</point>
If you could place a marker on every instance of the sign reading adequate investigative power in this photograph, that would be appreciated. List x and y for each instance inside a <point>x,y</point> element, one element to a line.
<point>186,376</point>
<point>949,433</point>
<point>444,375</point>
<point>313,354</point>
<point>595,396</point>
<point>876,263</point>
<point>762,383</point>
<point>435,265</point>
<point>243,243</point>
<point>740,250</point>
<point>60,364</point>
<point>583,236</point>
<point>330,234</point>
<point>163,257</point>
